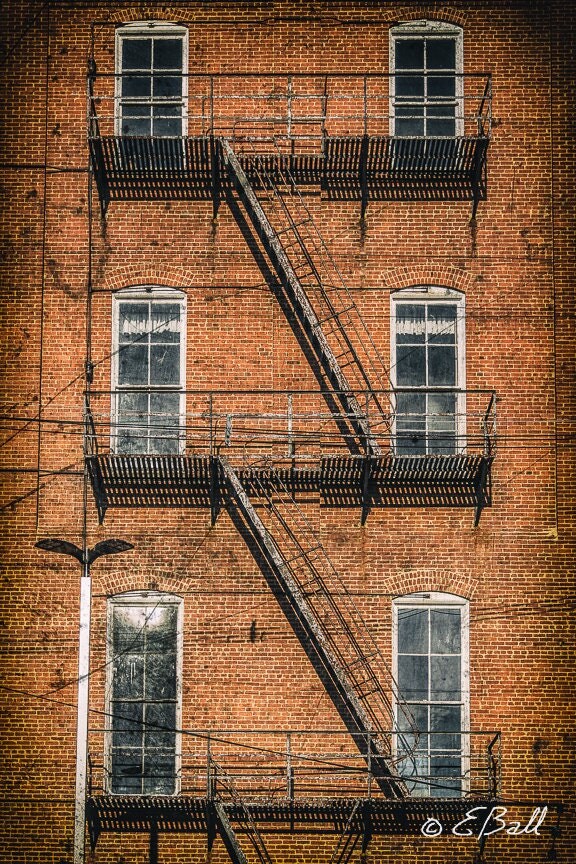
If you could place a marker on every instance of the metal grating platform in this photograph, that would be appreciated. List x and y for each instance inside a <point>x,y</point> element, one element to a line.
<point>384,481</point>
<point>355,167</point>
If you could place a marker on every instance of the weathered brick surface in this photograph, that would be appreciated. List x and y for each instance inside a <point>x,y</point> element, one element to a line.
<point>243,667</point>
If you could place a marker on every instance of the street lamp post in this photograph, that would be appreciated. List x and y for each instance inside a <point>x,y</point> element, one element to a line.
<point>86,557</point>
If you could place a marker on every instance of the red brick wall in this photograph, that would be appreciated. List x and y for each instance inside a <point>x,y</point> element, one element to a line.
<point>515,266</point>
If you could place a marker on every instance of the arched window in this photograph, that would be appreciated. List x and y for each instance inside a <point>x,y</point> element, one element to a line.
<point>148,366</point>
<point>151,81</point>
<point>426,59</point>
<point>144,688</point>
<point>428,370</point>
<point>430,650</point>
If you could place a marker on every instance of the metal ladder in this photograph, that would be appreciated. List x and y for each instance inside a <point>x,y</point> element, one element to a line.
<point>242,816</point>
<point>314,288</point>
<point>344,653</point>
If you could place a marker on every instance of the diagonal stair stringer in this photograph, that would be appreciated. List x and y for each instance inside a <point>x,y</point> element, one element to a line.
<point>330,670</point>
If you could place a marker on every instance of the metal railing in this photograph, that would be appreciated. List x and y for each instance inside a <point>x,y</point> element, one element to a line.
<point>287,425</point>
<point>286,108</point>
<point>272,766</point>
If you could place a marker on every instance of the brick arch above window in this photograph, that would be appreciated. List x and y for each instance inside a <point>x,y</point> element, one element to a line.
<point>449,277</point>
<point>162,276</point>
<point>442,15</point>
<point>438,580</point>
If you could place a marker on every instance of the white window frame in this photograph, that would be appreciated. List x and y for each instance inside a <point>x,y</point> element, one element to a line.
<point>132,599</point>
<point>423,28</point>
<point>439,600</point>
<point>147,293</point>
<point>139,29</point>
<point>424,294</point>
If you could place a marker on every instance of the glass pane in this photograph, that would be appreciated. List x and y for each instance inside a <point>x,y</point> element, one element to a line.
<point>126,771</point>
<point>413,677</point>
<point>160,628</point>
<point>409,54</point>
<point>132,322</point>
<point>412,767</point>
<point>136,54</point>
<point>441,53</point>
<point>445,127</point>
<point>441,769</point>
<point>160,726</point>
<point>445,626</point>
<point>410,366</point>
<point>127,724</point>
<point>441,324</point>
<point>161,676</point>
<point>165,324</point>
<point>411,404</point>
<point>167,120</point>
<point>445,679</point>
<point>441,85</point>
<point>165,365</point>
<point>409,121</point>
<point>413,631</point>
<point>168,54</point>
<point>446,720</point>
<point>410,324</point>
<point>135,120</point>
<point>159,773</point>
<point>128,629</point>
<point>441,366</point>
<point>129,676</point>
<point>409,85</point>
<point>166,86</point>
<point>133,365</point>
<point>413,725</point>
<point>136,86</point>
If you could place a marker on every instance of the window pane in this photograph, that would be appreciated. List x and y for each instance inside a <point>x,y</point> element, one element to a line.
<point>411,366</point>
<point>166,86</point>
<point>409,121</point>
<point>445,679</point>
<point>441,366</point>
<point>135,86</point>
<point>413,677</point>
<point>167,120</point>
<point>413,725</point>
<point>127,771</point>
<point>161,725</point>
<point>136,54</point>
<point>442,768</point>
<point>441,53</point>
<point>413,631</point>
<point>165,365</point>
<point>445,723</point>
<point>165,324</point>
<point>409,54</point>
<point>168,54</point>
<point>159,777</point>
<point>409,85</point>
<point>135,120</point>
<point>127,724</point>
<point>441,85</point>
<point>410,323</point>
<point>161,676</point>
<point>133,365</point>
<point>445,625</point>
<point>441,323</point>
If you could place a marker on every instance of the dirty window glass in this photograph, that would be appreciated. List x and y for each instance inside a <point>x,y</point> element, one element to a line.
<point>143,702</point>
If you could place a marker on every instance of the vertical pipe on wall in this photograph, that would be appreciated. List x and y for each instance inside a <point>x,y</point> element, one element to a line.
<point>82,714</point>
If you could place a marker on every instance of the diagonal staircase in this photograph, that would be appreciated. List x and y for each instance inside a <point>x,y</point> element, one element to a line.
<point>324,617</point>
<point>313,288</point>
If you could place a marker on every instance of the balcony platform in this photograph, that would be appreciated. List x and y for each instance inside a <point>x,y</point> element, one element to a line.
<point>360,167</point>
<point>188,814</point>
<point>122,480</point>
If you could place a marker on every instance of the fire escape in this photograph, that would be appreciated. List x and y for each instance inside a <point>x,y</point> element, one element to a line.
<point>256,453</point>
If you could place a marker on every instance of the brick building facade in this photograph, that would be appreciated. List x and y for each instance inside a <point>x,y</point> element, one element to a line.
<point>288,308</point>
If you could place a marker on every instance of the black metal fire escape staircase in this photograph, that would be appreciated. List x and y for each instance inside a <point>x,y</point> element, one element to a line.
<point>322,614</point>
<point>332,324</point>
<point>220,812</point>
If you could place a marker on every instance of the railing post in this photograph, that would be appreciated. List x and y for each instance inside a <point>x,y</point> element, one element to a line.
<point>209,779</point>
<point>289,108</point>
<point>291,449</point>
<point>369,763</point>
<point>289,769</point>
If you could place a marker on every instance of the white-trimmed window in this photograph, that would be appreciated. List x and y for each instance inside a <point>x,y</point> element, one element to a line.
<point>430,649</point>
<point>151,84</point>
<point>426,59</point>
<point>428,370</point>
<point>144,694</point>
<point>148,365</point>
